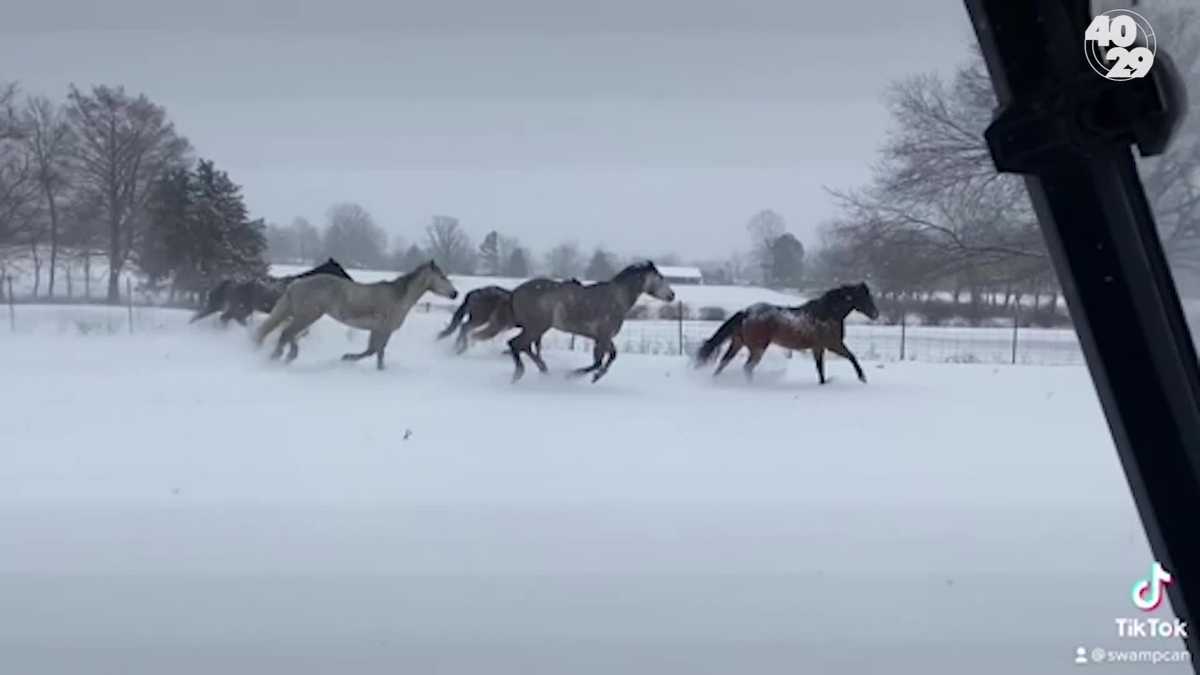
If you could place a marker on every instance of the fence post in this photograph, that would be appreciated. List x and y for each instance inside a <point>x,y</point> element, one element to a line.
<point>1016,315</point>
<point>12,311</point>
<point>903,332</point>
<point>680,319</point>
<point>129,298</point>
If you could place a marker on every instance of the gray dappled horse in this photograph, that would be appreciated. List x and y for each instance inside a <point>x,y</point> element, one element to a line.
<point>488,309</point>
<point>594,311</point>
<point>379,307</point>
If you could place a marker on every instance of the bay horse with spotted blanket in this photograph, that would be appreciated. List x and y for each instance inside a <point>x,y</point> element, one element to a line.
<point>818,325</point>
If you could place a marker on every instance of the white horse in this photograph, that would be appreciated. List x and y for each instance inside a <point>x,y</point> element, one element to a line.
<point>379,307</point>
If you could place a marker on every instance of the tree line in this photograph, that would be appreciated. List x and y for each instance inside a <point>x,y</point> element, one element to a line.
<point>351,235</point>
<point>106,172</point>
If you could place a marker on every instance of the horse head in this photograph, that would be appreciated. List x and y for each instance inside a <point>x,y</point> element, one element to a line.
<point>652,282</point>
<point>860,298</point>
<point>437,280</point>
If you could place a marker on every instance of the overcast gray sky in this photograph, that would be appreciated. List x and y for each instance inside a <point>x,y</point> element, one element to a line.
<point>642,126</point>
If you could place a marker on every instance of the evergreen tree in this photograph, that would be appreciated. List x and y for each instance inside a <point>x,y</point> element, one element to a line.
<point>168,244</point>
<point>412,258</point>
<point>600,267</point>
<point>489,254</point>
<point>199,230</point>
<point>517,265</point>
<point>786,261</point>
<point>237,244</point>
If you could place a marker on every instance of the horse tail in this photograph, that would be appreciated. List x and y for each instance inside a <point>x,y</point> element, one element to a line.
<point>709,349</point>
<point>216,300</point>
<point>279,314</point>
<point>457,318</point>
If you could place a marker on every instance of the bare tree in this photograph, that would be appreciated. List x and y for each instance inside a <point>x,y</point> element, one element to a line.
<point>736,267</point>
<point>449,245</point>
<point>398,247</point>
<point>50,142</point>
<point>1172,179</point>
<point>281,244</point>
<point>352,237</point>
<point>936,211</point>
<point>124,144</point>
<point>764,227</point>
<point>18,185</point>
<point>308,240</point>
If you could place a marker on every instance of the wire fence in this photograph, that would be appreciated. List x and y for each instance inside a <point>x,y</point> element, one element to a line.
<point>682,337</point>
<point>1033,346</point>
<point>1014,344</point>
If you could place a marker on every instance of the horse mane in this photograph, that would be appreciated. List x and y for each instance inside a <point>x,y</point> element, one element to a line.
<point>845,288</point>
<point>825,304</point>
<point>636,268</point>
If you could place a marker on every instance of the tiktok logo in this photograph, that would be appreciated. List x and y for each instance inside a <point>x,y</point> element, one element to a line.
<point>1148,593</point>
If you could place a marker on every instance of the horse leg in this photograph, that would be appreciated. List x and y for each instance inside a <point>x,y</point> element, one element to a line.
<point>612,356</point>
<point>293,330</point>
<point>819,359</point>
<point>287,337</point>
<point>515,348</point>
<point>373,343</point>
<point>536,356</point>
<point>382,348</point>
<point>844,352</point>
<point>598,352</point>
<point>280,344</point>
<point>735,345</point>
<point>460,343</point>
<point>756,354</point>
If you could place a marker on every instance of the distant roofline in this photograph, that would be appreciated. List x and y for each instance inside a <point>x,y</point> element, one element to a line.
<point>680,271</point>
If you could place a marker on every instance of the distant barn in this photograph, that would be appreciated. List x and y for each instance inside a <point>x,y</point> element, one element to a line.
<point>685,276</point>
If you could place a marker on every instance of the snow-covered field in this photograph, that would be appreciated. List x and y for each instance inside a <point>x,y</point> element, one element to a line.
<point>172,502</point>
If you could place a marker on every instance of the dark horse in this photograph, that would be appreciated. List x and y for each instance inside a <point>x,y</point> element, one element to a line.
<point>239,299</point>
<point>817,325</point>
<point>488,306</point>
<point>488,309</point>
<point>594,311</point>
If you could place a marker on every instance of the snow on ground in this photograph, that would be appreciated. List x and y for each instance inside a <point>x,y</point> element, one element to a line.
<point>171,501</point>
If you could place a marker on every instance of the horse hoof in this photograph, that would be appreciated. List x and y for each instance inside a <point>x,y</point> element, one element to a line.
<point>862,378</point>
<point>347,357</point>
